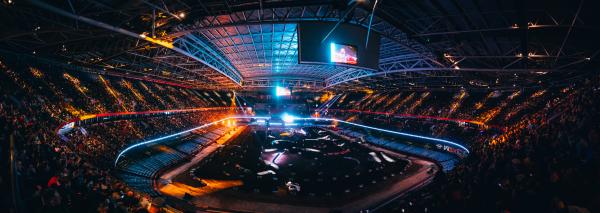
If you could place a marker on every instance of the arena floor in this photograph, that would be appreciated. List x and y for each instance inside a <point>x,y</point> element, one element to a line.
<point>253,171</point>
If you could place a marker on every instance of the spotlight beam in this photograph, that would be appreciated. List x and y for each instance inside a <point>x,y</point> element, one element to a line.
<point>341,20</point>
<point>371,23</point>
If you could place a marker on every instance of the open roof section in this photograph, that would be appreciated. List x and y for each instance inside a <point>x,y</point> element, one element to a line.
<point>426,44</point>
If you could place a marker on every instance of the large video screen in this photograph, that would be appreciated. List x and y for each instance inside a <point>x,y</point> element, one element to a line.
<point>341,53</point>
<point>345,46</point>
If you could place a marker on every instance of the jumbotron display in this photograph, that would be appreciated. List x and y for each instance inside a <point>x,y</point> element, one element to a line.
<point>344,46</point>
<point>345,54</point>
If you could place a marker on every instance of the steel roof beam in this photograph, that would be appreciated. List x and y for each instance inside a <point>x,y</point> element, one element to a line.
<point>298,83</point>
<point>198,49</point>
<point>199,53</point>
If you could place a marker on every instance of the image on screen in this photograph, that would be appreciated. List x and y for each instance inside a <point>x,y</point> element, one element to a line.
<point>343,54</point>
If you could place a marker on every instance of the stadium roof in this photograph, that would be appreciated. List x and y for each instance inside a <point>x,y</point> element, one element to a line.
<point>245,44</point>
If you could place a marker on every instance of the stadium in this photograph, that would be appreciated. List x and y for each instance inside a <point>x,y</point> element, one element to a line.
<point>300,106</point>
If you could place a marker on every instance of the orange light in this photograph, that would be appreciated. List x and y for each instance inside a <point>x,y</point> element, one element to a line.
<point>158,41</point>
<point>85,117</point>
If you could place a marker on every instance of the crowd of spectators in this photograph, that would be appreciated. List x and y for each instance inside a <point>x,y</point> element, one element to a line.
<point>71,174</point>
<point>101,142</point>
<point>545,159</point>
<point>491,107</point>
